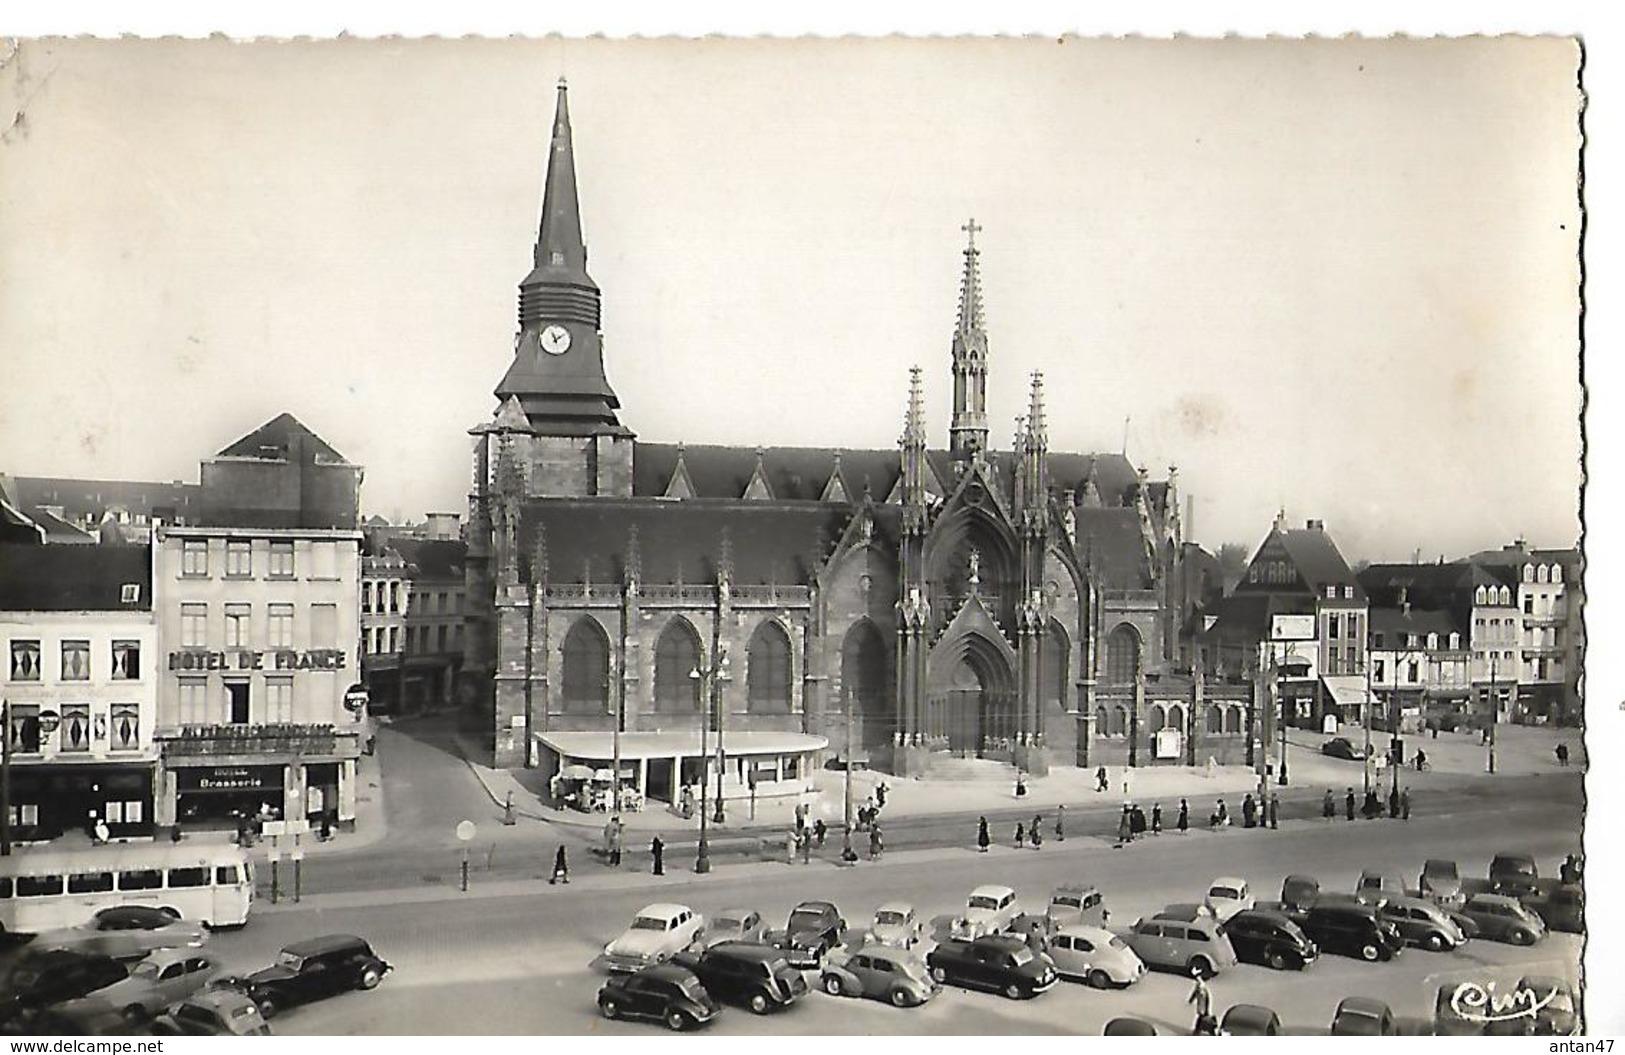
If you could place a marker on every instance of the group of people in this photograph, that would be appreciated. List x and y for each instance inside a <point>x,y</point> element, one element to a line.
<point>1399,804</point>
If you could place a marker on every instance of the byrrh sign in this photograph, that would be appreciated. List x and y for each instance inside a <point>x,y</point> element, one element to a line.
<point>254,659</point>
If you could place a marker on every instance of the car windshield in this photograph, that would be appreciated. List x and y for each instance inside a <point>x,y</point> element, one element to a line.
<point>1021,957</point>
<point>292,961</point>
<point>648,923</point>
<point>144,969</point>
<point>1117,943</point>
<point>730,923</point>
<point>983,902</point>
<point>1067,902</point>
<point>805,918</point>
<point>1224,892</point>
<point>890,918</point>
<point>693,989</point>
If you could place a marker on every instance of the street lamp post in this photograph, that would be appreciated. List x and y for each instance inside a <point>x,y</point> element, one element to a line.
<point>5,778</point>
<point>1277,673</point>
<point>848,854</point>
<point>1495,707</point>
<point>706,678</point>
<point>1365,720</point>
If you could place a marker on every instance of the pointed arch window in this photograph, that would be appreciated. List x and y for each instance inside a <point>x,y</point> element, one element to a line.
<point>1054,667</point>
<point>767,673</point>
<point>1215,718</point>
<point>676,655</point>
<point>863,669</point>
<point>1119,725</point>
<point>1122,656</point>
<point>1480,596</point>
<point>1506,595</point>
<point>1176,717</point>
<point>1102,722</point>
<point>586,668</point>
<point>1156,719</point>
<point>1232,719</point>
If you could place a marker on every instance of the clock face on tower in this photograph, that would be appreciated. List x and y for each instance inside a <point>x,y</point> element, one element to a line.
<point>555,340</point>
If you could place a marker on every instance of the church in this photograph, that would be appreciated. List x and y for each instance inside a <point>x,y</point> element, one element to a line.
<point>659,606</point>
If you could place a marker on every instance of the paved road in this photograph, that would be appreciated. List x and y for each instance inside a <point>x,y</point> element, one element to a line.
<point>517,964</point>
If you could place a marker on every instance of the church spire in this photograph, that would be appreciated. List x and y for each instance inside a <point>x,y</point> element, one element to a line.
<point>967,433</point>
<point>913,444</point>
<point>559,289</point>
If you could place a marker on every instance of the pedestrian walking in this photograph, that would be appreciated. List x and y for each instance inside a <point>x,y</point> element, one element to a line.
<point>1101,783</point>
<point>1249,812</point>
<point>1021,784</point>
<point>1203,1000</point>
<point>1328,806</point>
<point>1036,832</point>
<point>612,843</point>
<point>801,815</point>
<point>561,868</point>
<point>1421,761</point>
<point>1060,824</point>
<point>982,838</point>
<point>1405,804</point>
<point>1156,819</point>
<point>876,844</point>
<point>1348,804</point>
<point>790,844</point>
<point>1563,754</point>
<point>820,829</point>
<point>1372,807</point>
<point>804,838</point>
<point>102,835</point>
<point>880,794</point>
<point>1393,804</point>
<point>657,850</point>
<point>1184,822</point>
<point>1021,835</point>
<point>1275,811</point>
<point>1125,828</point>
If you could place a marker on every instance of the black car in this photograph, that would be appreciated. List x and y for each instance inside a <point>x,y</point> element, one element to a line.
<point>758,977</point>
<point>1269,938</point>
<point>41,977</point>
<point>1351,930</point>
<point>1514,875</point>
<point>313,969</point>
<point>1339,747</point>
<point>1000,962</point>
<point>814,928</point>
<point>665,992</point>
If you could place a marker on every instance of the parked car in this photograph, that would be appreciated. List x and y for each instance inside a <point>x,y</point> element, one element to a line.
<point>1556,1011</point>
<point>897,925</point>
<point>1423,923</point>
<point>313,970</point>
<point>813,929</point>
<point>1441,881</point>
<point>1514,875</point>
<point>41,977</point>
<point>656,933</point>
<point>734,924</point>
<point>997,962</point>
<point>1270,938</point>
<point>758,977</point>
<point>1502,918</point>
<point>1453,1016</point>
<point>1299,893</point>
<point>665,993</point>
<point>1077,903</point>
<point>126,932</point>
<point>1129,1027</point>
<point>86,1016</point>
<point>1359,1016</point>
<point>1096,955</point>
<point>1376,887</point>
<point>1351,930</point>
<point>215,1012</point>
<point>166,977</point>
<point>1184,911</point>
<point>880,972</point>
<point>1339,747</point>
<point>1250,1020</point>
<point>1197,947</point>
<point>990,909</point>
<point>1226,896</point>
<point>1561,910</point>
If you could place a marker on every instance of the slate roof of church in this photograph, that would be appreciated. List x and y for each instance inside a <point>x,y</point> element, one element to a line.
<point>1109,540</point>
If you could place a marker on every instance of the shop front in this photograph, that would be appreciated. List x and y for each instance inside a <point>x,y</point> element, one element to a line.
<point>50,800</point>
<point>209,776</point>
<point>214,796</point>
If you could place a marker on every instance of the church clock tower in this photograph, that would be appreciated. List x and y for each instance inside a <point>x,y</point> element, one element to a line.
<point>577,445</point>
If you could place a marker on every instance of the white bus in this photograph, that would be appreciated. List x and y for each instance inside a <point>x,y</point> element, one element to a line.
<point>43,888</point>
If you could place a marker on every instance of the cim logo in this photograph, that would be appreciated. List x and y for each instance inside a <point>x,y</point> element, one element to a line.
<point>1481,1003</point>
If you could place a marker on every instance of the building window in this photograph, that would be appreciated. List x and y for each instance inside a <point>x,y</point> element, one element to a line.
<point>195,702</point>
<point>324,625</point>
<point>1053,667</point>
<point>279,700</point>
<point>1433,640</point>
<point>440,637</point>
<point>390,636</point>
<point>1480,596</point>
<point>1506,595</point>
<point>767,674</point>
<point>239,559</point>
<point>195,558</point>
<point>324,560</point>
<point>126,661</point>
<point>677,654</point>
<point>25,730</point>
<point>1122,656</point>
<point>1232,719</point>
<point>394,598</point>
<point>25,664</point>
<point>1413,672</point>
<point>237,711</point>
<point>366,597</point>
<point>1331,592</point>
<point>194,625</point>
<point>75,730</point>
<point>76,661</point>
<point>281,563</point>
<point>1557,573</point>
<point>281,626</point>
<point>1119,722</point>
<point>237,631</point>
<point>1378,669</point>
<point>1334,625</point>
<point>125,722</point>
<point>1155,720</point>
<point>586,667</point>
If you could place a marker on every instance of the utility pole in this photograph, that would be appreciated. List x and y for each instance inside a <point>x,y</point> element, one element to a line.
<point>1365,713</point>
<point>848,854</point>
<point>5,779</point>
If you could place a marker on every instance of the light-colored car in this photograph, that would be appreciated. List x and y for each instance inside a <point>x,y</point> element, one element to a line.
<point>1374,888</point>
<point>657,932</point>
<point>1502,918</point>
<point>1228,895</point>
<point>1441,881</point>
<point>896,924</point>
<point>990,909</point>
<point>1422,922</point>
<point>1191,947</point>
<point>1077,903</point>
<point>126,932</point>
<point>166,977</point>
<point>735,924</point>
<point>1096,955</point>
<point>881,973</point>
<point>214,1013</point>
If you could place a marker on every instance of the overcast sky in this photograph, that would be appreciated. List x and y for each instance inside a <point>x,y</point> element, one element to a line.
<point>1334,276</point>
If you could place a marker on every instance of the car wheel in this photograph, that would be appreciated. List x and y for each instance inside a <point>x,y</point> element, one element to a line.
<point>1276,961</point>
<point>900,997</point>
<point>758,1004</point>
<point>939,974</point>
<point>136,1015</point>
<point>1521,937</point>
<point>1435,942</point>
<point>369,979</point>
<point>1099,979</point>
<point>610,1008</point>
<point>832,984</point>
<point>1201,967</point>
<point>171,911</point>
<point>1013,991</point>
<point>676,1021</point>
<point>1370,953</point>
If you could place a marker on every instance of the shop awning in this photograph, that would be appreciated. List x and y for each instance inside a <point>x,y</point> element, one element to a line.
<point>600,746</point>
<point>1346,690</point>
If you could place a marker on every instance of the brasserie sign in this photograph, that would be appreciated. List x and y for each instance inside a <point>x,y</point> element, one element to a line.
<point>284,659</point>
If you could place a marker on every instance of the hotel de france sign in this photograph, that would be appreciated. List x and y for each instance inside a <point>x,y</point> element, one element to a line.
<point>255,659</point>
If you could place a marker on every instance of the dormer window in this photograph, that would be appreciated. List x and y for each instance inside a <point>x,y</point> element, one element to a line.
<point>1557,573</point>
<point>1433,641</point>
<point>1348,593</point>
<point>1331,593</point>
<point>1528,573</point>
<point>130,593</point>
